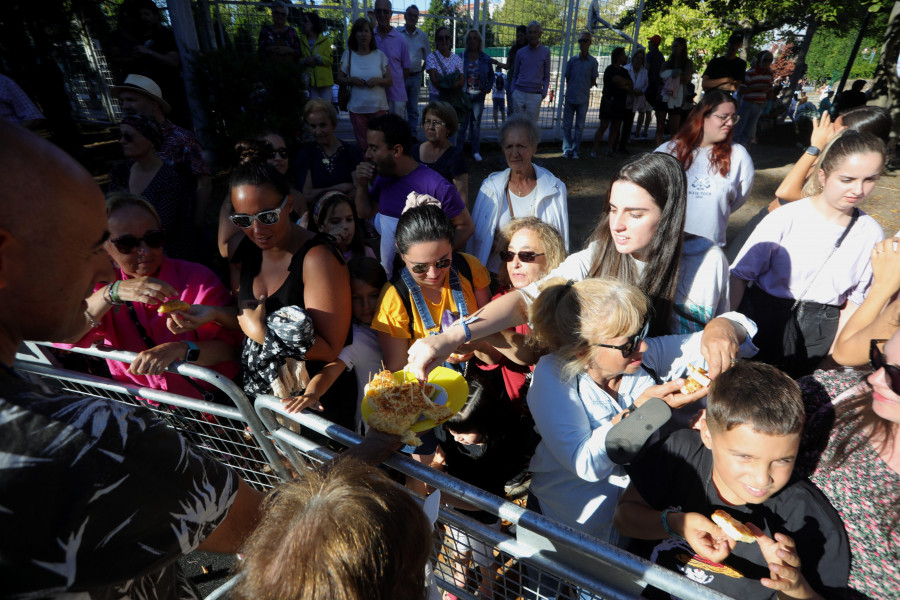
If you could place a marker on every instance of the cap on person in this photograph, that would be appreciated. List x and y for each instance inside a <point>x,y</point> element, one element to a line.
<point>142,85</point>
<point>656,39</point>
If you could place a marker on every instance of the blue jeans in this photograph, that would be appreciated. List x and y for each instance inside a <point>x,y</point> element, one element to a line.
<point>413,86</point>
<point>750,113</point>
<point>473,122</point>
<point>572,139</point>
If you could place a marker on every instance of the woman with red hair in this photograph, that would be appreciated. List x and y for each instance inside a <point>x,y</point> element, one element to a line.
<point>719,173</point>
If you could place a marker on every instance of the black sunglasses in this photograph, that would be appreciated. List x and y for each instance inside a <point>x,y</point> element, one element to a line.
<point>420,268</point>
<point>627,349</point>
<point>282,152</point>
<point>526,256</point>
<point>128,243</point>
<point>878,361</point>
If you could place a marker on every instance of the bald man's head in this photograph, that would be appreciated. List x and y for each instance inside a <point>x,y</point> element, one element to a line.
<point>52,228</point>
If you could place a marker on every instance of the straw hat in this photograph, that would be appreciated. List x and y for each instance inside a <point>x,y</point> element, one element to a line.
<point>145,86</point>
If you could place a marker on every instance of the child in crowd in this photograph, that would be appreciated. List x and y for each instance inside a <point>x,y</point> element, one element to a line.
<point>364,354</point>
<point>484,444</point>
<point>741,461</point>
<point>335,214</point>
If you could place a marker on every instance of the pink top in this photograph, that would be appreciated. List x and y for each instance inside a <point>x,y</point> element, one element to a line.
<point>198,285</point>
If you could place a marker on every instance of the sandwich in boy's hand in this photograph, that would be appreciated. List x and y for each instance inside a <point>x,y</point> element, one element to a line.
<point>733,528</point>
<point>170,306</point>
<point>695,381</point>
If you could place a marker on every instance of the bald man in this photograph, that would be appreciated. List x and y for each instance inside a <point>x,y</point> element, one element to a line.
<point>95,496</point>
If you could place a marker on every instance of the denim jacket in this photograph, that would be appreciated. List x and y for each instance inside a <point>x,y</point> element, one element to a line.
<point>485,72</point>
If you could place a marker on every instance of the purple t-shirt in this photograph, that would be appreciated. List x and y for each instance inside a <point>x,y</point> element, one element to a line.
<point>533,70</point>
<point>396,49</point>
<point>390,192</point>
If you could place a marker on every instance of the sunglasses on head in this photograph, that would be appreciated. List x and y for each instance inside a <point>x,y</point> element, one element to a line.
<point>628,348</point>
<point>127,244</point>
<point>420,268</point>
<point>526,256</point>
<point>878,361</point>
<point>282,152</point>
<point>266,217</point>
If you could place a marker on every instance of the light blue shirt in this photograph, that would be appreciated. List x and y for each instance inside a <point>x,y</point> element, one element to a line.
<point>580,74</point>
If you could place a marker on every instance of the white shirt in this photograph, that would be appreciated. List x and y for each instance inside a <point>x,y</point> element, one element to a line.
<point>365,100</point>
<point>711,197</point>
<point>419,47</point>
<point>790,244</point>
<point>364,354</point>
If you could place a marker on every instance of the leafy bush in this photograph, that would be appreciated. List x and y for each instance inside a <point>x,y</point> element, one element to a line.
<point>243,97</point>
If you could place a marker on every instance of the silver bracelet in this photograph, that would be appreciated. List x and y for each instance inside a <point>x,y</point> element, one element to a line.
<point>94,324</point>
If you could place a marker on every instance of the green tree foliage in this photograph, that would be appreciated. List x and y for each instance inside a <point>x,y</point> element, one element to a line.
<point>436,10</point>
<point>549,13</point>
<point>831,48</point>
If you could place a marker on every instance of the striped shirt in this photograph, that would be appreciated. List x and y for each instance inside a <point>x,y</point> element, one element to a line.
<point>758,83</point>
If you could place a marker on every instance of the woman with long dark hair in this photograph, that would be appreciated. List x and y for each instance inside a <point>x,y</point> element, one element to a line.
<point>719,173</point>
<point>639,239</point>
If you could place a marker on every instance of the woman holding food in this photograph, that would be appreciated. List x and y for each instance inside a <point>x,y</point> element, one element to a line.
<point>642,217</point>
<point>124,313</point>
<point>435,288</point>
<point>602,364</point>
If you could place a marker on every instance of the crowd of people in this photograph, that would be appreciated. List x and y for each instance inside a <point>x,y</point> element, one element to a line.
<point>347,258</point>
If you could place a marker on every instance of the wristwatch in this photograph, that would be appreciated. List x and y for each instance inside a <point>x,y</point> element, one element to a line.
<point>812,151</point>
<point>193,352</point>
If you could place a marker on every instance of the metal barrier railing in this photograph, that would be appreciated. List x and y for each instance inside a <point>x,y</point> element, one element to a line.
<point>542,559</point>
<point>232,434</point>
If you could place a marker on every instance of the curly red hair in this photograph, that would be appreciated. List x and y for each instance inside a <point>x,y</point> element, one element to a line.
<point>690,136</point>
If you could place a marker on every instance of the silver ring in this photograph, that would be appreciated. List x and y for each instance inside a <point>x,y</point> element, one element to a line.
<point>734,361</point>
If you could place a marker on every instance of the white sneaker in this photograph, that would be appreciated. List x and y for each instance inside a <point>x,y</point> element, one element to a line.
<point>477,157</point>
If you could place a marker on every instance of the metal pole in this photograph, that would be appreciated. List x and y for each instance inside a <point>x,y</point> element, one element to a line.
<point>852,59</point>
<point>637,26</point>
<point>567,46</point>
<point>186,36</point>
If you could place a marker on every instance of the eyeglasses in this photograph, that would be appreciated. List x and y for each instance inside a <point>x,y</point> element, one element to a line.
<point>725,118</point>
<point>420,268</point>
<point>627,349</point>
<point>282,152</point>
<point>382,11</point>
<point>526,256</point>
<point>433,123</point>
<point>126,244</point>
<point>878,361</point>
<point>266,217</point>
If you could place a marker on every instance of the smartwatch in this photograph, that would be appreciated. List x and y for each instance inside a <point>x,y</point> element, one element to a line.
<point>193,352</point>
<point>812,151</point>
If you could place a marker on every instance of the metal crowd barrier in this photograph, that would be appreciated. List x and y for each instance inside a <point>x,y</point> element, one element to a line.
<point>542,559</point>
<point>232,434</point>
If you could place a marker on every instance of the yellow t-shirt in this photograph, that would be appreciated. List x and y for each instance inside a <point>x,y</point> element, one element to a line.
<point>392,318</point>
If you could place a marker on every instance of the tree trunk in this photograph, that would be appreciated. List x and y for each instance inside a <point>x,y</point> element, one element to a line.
<point>886,88</point>
<point>800,60</point>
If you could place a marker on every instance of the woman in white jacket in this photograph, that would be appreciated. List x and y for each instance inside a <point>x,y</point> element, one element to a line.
<point>522,190</point>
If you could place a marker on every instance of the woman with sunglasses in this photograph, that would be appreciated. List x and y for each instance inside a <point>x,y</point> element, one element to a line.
<point>639,239</point>
<point>123,313</point>
<point>851,451</point>
<point>534,249</point>
<point>601,363</point>
<point>147,175</point>
<point>438,285</point>
<point>720,174</point>
<point>286,273</point>
<point>522,190</point>
<point>810,261</point>
<point>444,67</point>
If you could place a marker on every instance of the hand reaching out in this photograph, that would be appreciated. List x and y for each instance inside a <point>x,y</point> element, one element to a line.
<point>706,538</point>
<point>191,319</point>
<point>784,565</point>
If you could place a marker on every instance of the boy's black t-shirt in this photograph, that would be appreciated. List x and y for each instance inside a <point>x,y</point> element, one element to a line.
<point>678,472</point>
<point>720,67</point>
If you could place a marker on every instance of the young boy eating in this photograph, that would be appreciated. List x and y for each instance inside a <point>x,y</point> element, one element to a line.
<point>741,462</point>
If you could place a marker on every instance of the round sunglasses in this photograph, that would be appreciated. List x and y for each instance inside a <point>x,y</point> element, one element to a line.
<point>628,348</point>
<point>526,256</point>
<point>127,244</point>
<point>266,217</point>
<point>878,361</point>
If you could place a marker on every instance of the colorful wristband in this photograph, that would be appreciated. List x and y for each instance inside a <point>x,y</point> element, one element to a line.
<point>665,522</point>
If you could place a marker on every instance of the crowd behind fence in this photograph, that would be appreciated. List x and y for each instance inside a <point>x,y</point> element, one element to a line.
<point>532,556</point>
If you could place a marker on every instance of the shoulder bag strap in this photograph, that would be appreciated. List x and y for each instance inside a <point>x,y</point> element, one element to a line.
<point>837,245</point>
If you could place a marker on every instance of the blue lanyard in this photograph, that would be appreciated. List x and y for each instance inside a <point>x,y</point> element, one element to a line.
<point>419,300</point>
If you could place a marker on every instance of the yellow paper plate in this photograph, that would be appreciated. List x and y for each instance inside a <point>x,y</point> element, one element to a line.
<point>451,390</point>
